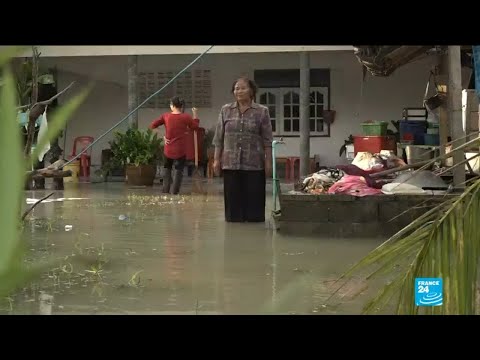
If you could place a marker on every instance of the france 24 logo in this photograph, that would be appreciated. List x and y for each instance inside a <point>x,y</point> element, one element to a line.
<point>428,291</point>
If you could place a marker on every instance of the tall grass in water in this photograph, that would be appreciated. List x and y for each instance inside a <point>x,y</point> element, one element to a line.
<point>13,270</point>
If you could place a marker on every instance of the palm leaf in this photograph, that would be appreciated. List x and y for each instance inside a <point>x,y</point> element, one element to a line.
<point>10,169</point>
<point>385,295</point>
<point>13,270</point>
<point>444,243</point>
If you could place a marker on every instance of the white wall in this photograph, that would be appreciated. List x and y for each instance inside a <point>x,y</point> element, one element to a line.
<point>105,106</point>
<point>383,98</point>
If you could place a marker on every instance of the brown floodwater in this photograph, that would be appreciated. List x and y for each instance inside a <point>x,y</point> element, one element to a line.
<point>121,250</point>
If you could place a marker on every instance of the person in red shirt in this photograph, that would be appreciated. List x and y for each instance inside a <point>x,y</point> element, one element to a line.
<point>176,123</point>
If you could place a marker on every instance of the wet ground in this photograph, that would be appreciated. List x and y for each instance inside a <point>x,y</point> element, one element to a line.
<point>121,250</point>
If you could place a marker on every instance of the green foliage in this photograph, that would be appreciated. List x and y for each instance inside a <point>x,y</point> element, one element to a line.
<point>11,169</point>
<point>23,76</point>
<point>138,147</point>
<point>13,270</point>
<point>444,242</point>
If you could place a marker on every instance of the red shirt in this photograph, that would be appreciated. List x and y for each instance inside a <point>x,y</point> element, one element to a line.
<point>176,128</point>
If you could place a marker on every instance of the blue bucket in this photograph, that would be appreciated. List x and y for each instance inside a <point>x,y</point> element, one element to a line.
<point>417,128</point>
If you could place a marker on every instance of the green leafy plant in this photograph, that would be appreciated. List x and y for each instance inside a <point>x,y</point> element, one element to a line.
<point>136,147</point>
<point>14,271</point>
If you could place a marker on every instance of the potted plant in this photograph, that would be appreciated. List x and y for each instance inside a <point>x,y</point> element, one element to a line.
<point>139,152</point>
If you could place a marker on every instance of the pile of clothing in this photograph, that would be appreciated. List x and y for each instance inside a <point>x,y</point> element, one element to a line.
<point>357,180</point>
<point>346,179</point>
<point>351,179</point>
<point>321,181</point>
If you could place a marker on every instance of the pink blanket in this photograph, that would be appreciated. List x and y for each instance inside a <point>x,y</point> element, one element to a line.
<point>353,185</point>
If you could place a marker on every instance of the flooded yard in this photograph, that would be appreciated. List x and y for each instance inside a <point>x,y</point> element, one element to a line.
<point>120,250</point>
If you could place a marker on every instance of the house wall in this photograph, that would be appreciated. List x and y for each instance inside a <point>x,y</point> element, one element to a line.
<point>105,106</point>
<point>383,98</point>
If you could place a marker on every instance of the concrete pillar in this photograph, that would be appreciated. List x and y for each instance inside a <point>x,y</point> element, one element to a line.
<point>132,90</point>
<point>454,92</point>
<point>304,113</point>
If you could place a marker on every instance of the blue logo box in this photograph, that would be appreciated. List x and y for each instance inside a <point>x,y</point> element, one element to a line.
<point>428,291</point>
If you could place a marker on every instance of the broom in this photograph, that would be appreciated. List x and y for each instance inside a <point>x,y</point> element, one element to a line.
<point>197,181</point>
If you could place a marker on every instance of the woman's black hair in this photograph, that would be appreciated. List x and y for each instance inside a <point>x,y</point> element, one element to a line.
<point>251,84</point>
<point>177,102</point>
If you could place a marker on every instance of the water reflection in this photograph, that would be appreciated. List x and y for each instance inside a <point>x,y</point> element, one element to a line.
<point>247,268</point>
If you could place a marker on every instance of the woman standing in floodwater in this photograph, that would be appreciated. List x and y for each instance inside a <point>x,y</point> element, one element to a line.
<point>176,125</point>
<point>243,150</point>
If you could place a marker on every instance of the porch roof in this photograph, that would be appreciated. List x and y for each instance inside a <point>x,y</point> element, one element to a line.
<point>56,51</point>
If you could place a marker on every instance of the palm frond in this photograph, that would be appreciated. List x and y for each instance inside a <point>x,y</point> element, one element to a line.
<point>14,271</point>
<point>442,243</point>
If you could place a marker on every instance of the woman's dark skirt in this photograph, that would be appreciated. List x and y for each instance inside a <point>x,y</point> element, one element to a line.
<point>244,195</point>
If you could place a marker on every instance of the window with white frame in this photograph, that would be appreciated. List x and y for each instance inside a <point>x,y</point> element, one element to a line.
<point>268,97</point>
<point>284,108</point>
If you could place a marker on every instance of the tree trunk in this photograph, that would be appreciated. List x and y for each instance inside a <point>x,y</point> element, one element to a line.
<point>36,110</point>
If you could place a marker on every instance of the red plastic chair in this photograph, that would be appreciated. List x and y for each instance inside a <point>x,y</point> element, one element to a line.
<point>85,159</point>
<point>290,168</point>
<point>291,164</point>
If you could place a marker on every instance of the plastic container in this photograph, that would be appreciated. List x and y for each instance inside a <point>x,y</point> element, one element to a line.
<point>75,168</point>
<point>378,128</point>
<point>415,113</point>
<point>416,154</point>
<point>374,144</point>
<point>432,139</point>
<point>416,128</point>
<point>350,152</point>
